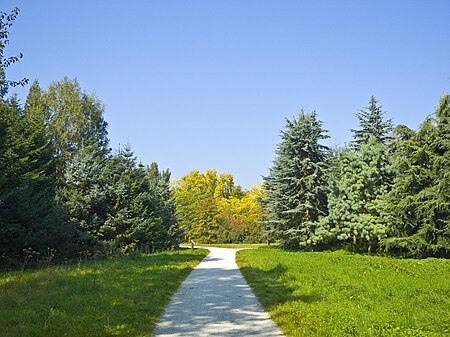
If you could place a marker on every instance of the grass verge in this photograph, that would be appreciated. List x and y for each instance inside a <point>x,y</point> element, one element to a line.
<point>343,294</point>
<point>119,297</point>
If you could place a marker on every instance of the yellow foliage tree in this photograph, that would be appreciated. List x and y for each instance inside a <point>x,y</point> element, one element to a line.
<point>212,209</point>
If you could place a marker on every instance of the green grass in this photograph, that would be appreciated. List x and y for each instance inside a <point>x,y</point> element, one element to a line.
<point>233,245</point>
<point>119,297</point>
<point>343,294</point>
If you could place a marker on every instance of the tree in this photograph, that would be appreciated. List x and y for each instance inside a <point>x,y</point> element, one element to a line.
<point>197,209</point>
<point>75,119</point>
<point>140,217</point>
<point>211,208</point>
<point>240,216</point>
<point>83,193</point>
<point>359,181</point>
<point>6,22</point>
<point>296,186</point>
<point>418,207</point>
<point>116,203</point>
<point>28,214</point>
<point>372,124</point>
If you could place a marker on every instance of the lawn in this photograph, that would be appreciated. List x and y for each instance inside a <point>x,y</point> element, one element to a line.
<point>229,245</point>
<point>118,297</point>
<point>343,294</point>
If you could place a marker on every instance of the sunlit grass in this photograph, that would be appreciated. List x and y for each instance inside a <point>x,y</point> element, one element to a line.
<point>343,294</point>
<point>228,245</point>
<point>119,297</point>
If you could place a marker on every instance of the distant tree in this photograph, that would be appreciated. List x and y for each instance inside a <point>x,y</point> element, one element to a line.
<point>372,124</point>
<point>6,22</point>
<point>211,208</point>
<point>240,217</point>
<point>296,186</point>
<point>197,209</point>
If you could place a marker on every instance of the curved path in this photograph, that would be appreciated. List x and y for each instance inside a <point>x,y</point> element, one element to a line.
<point>215,300</point>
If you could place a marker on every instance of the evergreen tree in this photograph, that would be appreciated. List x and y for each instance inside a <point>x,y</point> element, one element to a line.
<point>36,119</point>
<point>372,124</point>
<point>418,207</point>
<point>28,214</point>
<point>118,204</point>
<point>165,204</point>
<point>139,218</point>
<point>296,186</point>
<point>83,193</point>
<point>359,181</point>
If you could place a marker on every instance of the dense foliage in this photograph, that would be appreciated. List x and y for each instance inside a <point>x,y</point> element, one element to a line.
<point>296,187</point>
<point>388,192</point>
<point>211,208</point>
<point>61,188</point>
<point>62,192</point>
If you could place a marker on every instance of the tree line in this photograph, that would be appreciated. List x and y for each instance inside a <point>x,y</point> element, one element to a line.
<point>387,192</point>
<point>61,187</point>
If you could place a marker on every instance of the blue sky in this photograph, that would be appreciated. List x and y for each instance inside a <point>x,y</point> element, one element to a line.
<point>195,84</point>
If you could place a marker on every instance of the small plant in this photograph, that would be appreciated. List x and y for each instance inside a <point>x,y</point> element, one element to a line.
<point>28,255</point>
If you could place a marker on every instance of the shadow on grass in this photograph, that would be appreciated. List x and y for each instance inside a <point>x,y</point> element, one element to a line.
<point>271,288</point>
<point>120,297</point>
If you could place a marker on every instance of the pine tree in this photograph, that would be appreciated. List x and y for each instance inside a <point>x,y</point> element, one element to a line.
<point>372,124</point>
<point>359,181</point>
<point>296,186</point>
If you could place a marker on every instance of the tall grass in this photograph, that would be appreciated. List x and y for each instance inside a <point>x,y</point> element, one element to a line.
<point>343,294</point>
<point>118,297</point>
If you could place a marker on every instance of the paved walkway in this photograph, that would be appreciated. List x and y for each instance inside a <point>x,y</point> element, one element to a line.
<point>215,300</point>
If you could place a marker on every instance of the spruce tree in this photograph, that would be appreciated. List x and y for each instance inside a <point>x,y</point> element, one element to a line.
<point>296,186</point>
<point>372,124</point>
<point>29,217</point>
<point>83,193</point>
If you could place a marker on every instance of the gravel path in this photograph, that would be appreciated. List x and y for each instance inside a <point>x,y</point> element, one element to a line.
<point>215,300</point>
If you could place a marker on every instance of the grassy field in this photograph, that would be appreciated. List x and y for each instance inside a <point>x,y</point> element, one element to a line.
<point>343,294</point>
<point>229,245</point>
<point>119,297</point>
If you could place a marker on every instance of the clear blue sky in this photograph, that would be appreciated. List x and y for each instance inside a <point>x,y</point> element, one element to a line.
<point>208,84</point>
